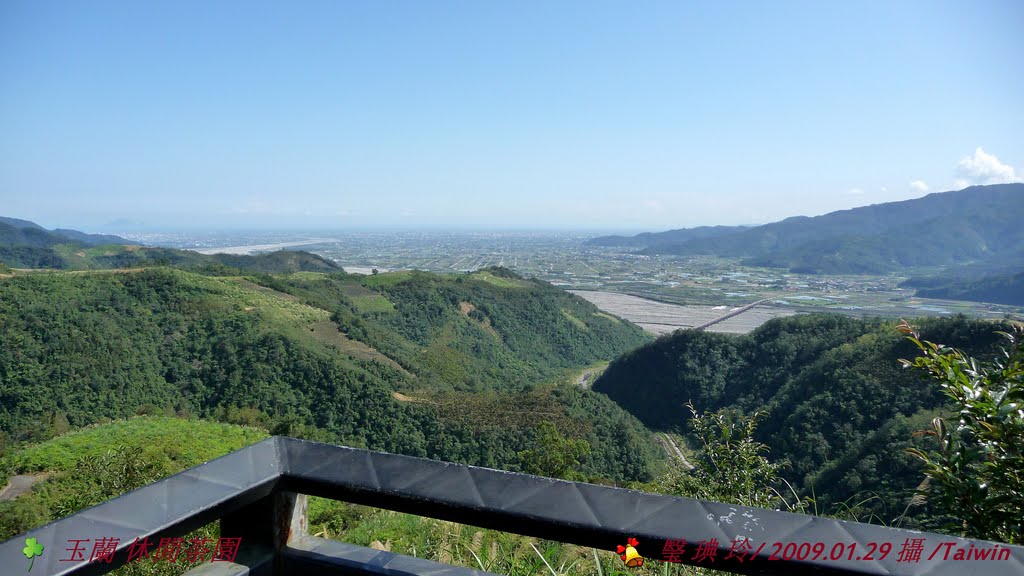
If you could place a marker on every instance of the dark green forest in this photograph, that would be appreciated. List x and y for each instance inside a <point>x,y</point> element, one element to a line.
<point>409,362</point>
<point>841,410</point>
<point>997,288</point>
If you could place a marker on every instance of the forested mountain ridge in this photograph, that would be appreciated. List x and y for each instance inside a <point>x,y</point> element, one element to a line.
<point>840,407</point>
<point>17,231</point>
<point>646,239</point>
<point>24,244</point>
<point>979,223</point>
<point>411,363</point>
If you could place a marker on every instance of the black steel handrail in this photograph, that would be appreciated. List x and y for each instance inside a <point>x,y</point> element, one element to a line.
<point>253,491</point>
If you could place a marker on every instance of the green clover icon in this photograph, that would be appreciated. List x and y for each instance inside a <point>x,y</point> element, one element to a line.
<point>31,550</point>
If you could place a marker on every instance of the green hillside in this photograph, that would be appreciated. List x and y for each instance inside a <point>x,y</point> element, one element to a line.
<point>461,368</point>
<point>86,467</point>
<point>12,227</point>
<point>75,256</point>
<point>470,332</point>
<point>840,407</point>
<point>24,244</point>
<point>985,233</point>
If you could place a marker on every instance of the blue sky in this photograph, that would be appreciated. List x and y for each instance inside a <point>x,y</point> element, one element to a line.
<point>599,115</point>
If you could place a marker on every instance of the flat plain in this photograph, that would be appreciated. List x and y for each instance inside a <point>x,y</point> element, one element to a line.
<point>701,288</point>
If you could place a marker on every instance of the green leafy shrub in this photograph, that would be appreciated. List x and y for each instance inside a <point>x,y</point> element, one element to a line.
<point>977,469</point>
<point>555,456</point>
<point>732,467</point>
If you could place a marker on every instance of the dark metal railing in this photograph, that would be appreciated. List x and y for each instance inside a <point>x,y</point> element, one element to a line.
<point>258,493</point>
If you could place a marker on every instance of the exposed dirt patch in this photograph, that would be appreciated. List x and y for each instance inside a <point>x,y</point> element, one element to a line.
<point>466,308</point>
<point>356,290</point>
<point>586,378</point>
<point>256,287</point>
<point>328,333</point>
<point>20,484</point>
<point>403,398</point>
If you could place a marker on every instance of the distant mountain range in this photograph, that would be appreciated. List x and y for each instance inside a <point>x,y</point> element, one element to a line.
<point>25,233</point>
<point>976,224</point>
<point>25,244</point>
<point>671,237</point>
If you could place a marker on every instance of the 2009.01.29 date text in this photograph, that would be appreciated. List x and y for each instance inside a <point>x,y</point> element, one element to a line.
<point>912,550</point>
<point>819,551</point>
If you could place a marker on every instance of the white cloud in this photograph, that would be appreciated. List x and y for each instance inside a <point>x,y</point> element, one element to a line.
<point>652,204</point>
<point>854,192</point>
<point>919,186</point>
<point>984,168</point>
<point>885,189</point>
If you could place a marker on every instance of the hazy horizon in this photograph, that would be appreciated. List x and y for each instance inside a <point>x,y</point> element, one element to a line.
<point>574,116</point>
<point>138,227</point>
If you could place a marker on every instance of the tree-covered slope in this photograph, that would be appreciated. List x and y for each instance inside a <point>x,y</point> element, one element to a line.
<point>83,346</point>
<point>24,244</point>
<point>998,288</point>
<point>17,231</point>
<point>977,223</point>
<point>113,256</point>
<point>977,233</point>
<point>840,407</point>
<point>480,330</point>
<point>69,255</point>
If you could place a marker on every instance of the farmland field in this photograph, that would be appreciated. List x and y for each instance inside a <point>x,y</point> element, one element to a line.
<point>675,292</point>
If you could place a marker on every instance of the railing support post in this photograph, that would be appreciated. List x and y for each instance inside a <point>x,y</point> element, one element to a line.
<point>267,526</point>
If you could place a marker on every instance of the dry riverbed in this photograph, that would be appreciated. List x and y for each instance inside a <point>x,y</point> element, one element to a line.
<point>662,318</point>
